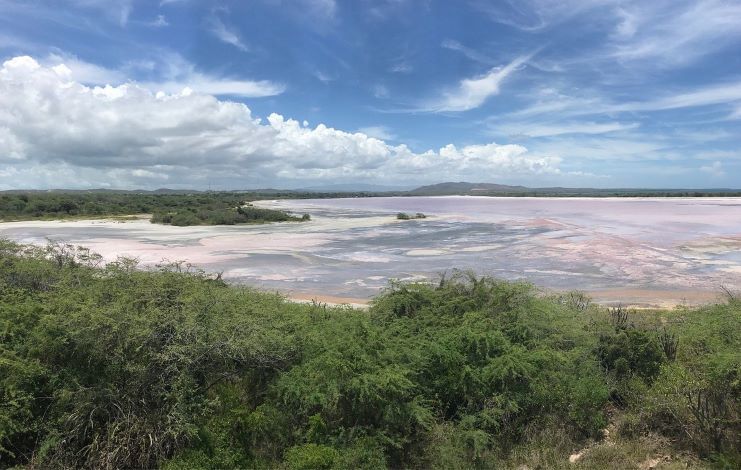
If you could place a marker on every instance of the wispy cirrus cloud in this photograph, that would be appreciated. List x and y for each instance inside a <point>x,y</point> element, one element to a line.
<point>674,32</point>
<point>322,8</point>
<point>117,11</point>
<point>552,101</point>
<point>470,93</point>
<point>535,15</point>
<point>224,33</point>
<point>562,128</point>
<point>704,96</point>
<point>467,51</point>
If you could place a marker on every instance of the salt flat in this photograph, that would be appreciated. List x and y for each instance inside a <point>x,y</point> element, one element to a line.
<point>646,251</point>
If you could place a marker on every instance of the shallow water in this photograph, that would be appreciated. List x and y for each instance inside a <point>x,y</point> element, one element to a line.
<point>353,246</point>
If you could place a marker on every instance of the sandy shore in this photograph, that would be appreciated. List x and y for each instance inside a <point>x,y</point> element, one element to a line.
<point>332,300</point>
<point>633,298</point>
<point>654,298</point>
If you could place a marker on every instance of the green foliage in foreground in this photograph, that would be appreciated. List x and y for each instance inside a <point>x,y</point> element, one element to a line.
<point>111,366</point>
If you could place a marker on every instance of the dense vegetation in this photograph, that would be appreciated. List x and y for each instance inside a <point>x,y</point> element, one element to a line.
<point>206,208</point>
<point>405,216</point>
<point>111,366</point>
<point>217,214</point>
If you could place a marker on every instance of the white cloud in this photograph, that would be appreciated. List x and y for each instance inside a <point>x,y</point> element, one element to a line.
<point>323,77</point>
<point>719,154</point>
<point>551,101</point>
<point>378,132</point>
<point>715,169</point>
<point>218,86</point>
<point>380,91</point>
<point>608,148</point>
<point>322,8</point>
<point>381,10</point>
<point>170,73</point>
<point>224,33</point>
<point>467,51</point>
<point>59,132</point>
<point>159,22</point>
<point>83,72</point>
<point>736,113</point>
<point>473,92</point>
<point>628,24</point>
<point>674,32</point>
<point>401,66</point>
<point>549,130</point>
<point>118,11</point>
<point>535,15</point>
<point>710,95</point>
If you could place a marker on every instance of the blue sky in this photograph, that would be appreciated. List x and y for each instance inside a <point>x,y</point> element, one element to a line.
<point>292,93</point>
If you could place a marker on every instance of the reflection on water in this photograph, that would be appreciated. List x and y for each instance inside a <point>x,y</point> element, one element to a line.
<point>353,246</point>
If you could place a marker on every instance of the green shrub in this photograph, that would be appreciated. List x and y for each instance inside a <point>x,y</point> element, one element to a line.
<point>631,351</point>
<point>311,457</point>
<point>115,366</point>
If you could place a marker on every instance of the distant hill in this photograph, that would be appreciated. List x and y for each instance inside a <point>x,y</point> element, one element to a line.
<point>450,188</point>
<point>463,187</point>
<point>353,187</point>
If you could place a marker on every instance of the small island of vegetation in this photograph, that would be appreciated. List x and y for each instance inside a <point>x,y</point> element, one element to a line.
<point>405,216</point>
<point>115,366</point>
<point>244,213</point>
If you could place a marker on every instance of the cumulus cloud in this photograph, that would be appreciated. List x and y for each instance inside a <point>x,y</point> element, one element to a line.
<point>169,73</point>
<point>53,128</point>
<point>83,72</point>
<point>379,132</point>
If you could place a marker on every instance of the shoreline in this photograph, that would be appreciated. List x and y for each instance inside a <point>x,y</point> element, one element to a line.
<point>641,299</point>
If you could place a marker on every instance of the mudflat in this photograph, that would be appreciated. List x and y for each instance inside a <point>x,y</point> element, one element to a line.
<point>645,251</point>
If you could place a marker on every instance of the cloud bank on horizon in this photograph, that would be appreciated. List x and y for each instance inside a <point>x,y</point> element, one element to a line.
<point>188,93</point>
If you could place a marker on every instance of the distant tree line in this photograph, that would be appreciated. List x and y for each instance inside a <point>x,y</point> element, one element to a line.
<point>198,208</point>
<point>217,208</point>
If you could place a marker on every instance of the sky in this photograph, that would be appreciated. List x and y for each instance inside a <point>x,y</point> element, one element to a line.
<point>309,93</point>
